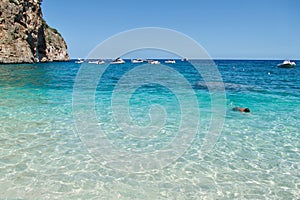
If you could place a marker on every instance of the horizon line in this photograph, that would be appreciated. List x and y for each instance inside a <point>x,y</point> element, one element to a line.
<point>275,59</point>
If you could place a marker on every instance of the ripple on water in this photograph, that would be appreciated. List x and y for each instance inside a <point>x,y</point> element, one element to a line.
<point>257,155</point>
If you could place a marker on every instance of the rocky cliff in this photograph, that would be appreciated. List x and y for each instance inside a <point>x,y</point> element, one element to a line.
<point>25,37</point>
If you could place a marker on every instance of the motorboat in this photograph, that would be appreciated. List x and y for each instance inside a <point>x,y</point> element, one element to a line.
<point>153,62</point>
<point>118,61</point>
<point>170,61</point>
<point>79,61</point>
<point>287,64</point>
<point>100,62</point>
<point>137,61</point>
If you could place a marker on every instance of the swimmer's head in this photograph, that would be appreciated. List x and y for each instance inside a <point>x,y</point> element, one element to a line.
<point>246,110</point>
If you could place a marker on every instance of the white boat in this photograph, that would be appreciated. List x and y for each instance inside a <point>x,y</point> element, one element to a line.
<point>137,61</point>
<point>79,61</point>
<point>287,64</point>
<point>118,61</point>
<point>153,62</point>
<point>170,61</point>
<point>100,62</point>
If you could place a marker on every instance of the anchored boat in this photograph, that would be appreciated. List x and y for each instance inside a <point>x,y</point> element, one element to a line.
<point>287,64</point>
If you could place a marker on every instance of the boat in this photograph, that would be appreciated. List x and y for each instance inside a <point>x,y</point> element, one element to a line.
<point>79,61</point>
<point>287,64</point>
<point>153,62</point>
<point>98,62</point>
<point>170,61</point>
<point>137,61</point>
<point>118,61</point>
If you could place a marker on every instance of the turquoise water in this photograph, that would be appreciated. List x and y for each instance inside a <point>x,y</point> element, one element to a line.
<point>256,156</point>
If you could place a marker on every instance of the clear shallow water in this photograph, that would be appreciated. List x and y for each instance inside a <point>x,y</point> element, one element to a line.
<point>257,155</point>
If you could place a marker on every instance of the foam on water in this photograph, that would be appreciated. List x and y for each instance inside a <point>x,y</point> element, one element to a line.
<point>256,156</point>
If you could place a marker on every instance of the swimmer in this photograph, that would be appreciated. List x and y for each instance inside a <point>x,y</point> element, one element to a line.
<point>241,109</point>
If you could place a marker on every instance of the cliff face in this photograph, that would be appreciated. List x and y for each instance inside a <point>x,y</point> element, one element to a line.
<point>25,36</point>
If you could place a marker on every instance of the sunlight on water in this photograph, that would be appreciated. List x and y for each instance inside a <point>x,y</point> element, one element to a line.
<point>257,155</point>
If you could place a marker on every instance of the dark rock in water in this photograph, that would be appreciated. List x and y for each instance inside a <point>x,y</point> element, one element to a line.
<point>25,37</point>
<point>220,86</point>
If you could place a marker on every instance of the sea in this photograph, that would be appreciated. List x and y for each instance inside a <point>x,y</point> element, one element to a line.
<point>140,131</point>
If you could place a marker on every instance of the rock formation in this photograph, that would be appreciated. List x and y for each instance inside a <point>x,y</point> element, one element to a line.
<point>25,37</point>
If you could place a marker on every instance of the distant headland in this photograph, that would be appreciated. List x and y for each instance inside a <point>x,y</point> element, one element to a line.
<point>25,37</point>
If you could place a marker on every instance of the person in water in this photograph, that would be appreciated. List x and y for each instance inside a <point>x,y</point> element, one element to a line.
<point>241,109</point>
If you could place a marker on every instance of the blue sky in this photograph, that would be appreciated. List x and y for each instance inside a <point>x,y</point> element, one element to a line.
<point>256,29</point>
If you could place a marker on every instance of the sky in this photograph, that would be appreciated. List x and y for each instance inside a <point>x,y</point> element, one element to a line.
<point>226,29</point>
